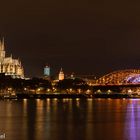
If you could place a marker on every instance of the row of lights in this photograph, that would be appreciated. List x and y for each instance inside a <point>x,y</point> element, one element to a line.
<point>38,90</point>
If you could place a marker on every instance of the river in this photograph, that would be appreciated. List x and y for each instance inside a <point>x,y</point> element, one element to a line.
<point>70,119</point>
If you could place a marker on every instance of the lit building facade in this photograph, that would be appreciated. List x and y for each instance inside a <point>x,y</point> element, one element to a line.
<point>47,72</point>
<point>61,75</point>
<point>8,65</point>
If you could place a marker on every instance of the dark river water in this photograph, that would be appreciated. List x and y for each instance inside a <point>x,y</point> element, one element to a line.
<point>70,119</point>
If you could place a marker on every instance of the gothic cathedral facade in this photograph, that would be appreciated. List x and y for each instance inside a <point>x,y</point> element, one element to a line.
<point>8,65</point>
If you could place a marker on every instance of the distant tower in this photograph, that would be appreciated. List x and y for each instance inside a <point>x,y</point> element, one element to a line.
<point>72,76</point>
<point>61,75</point>
<point>47,72</point>
<point>2,51</point>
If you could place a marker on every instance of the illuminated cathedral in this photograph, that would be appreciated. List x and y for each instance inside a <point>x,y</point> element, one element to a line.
<point>8,65</point>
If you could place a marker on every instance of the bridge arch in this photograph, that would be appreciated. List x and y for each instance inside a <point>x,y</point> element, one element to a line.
<point>121,77</point>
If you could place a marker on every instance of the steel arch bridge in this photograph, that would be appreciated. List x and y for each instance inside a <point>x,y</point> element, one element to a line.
<point>129,76</point>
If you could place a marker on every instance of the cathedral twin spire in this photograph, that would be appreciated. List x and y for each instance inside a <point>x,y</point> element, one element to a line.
<point>2,44</point>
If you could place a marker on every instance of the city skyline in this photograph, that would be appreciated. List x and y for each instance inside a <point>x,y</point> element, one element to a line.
<point>69,70</point>
<point>79,36</point>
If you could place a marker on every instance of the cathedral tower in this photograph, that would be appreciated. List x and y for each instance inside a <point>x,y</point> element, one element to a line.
<point>2,49</point>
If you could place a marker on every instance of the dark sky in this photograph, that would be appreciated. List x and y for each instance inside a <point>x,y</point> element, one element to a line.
<point>79,35</point>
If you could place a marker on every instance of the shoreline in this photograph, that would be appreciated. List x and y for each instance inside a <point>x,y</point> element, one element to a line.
<point>69,96</point>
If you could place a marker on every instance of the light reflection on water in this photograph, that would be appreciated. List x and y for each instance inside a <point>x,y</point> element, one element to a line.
<point>70,119</point>
<point>133,120</point>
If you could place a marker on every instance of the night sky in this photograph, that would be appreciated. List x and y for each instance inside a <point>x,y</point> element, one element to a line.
<point>82,36</point>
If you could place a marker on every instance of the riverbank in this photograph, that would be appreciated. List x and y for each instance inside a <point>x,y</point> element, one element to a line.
<point>72,96</point>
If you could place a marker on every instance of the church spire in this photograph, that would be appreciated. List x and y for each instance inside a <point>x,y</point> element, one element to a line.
<point>61,75</point>
<point>61,70</point>
<point>0,45</point>
<point>3,47</point>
